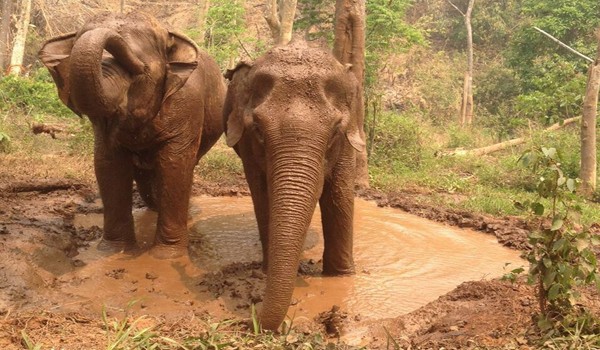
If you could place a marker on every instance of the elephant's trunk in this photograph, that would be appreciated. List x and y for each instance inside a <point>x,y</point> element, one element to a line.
<point>95,92</point>
<point>296,179</point>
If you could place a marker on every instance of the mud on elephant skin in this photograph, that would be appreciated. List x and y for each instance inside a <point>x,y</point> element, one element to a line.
<point>292,118</point>
<point>155,102</point>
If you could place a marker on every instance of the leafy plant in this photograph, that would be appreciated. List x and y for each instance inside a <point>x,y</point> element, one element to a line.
<point>4,142</point>
<point>29,343</point>
<point>124,334</point>
<point>561,258</point>
<point>35,95</point>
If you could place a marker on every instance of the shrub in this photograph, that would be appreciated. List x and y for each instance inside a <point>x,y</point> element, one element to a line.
<point>35,95</point>
<point>395,141</point>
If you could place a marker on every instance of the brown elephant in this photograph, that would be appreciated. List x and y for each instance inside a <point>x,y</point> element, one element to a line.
<point>155,102</point>
<point>291,116</point>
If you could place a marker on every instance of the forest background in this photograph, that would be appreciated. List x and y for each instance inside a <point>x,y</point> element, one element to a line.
<point>416,57</point>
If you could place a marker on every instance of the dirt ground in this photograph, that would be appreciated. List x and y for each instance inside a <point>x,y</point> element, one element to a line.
<point>41,247</point>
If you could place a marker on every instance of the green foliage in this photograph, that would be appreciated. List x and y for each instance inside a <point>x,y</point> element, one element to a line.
<point>4,142</point>
<point>225,30</point>
<point>554,92</point>
<point>553,79</point>
<point>460,137</point>
<point>396,141</point>
<point>315,20</point>
<point>562,256</point>
<point>35,95</point>
<point>386,32</point>
<point>123,334</point>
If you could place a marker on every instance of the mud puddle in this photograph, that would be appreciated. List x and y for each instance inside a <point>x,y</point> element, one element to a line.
<point>402,263</point>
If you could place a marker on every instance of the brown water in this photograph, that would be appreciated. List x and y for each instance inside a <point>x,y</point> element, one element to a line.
<point>403,262</point>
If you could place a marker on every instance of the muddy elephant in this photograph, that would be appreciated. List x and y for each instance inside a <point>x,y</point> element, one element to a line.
<point>155,103</point>
<point>291,116</point>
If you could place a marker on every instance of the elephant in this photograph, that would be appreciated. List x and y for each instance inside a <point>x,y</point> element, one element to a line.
<point>155,103</point>
<point>292,118</point>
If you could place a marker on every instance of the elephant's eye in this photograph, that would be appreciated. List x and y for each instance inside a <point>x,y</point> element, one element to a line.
<point>261,87</point>
<point>258,133</point>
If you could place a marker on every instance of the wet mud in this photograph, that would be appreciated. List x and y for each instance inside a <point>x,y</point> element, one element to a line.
<point>403,262</point>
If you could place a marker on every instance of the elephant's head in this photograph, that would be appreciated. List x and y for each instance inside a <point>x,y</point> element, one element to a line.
<point>294,111</point>
<point>119,66</point>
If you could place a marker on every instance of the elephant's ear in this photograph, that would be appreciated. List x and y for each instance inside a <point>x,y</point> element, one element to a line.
<point>182,60</point>
<point>55,55</point>
<point>356,117</point>
<point>235,102</point>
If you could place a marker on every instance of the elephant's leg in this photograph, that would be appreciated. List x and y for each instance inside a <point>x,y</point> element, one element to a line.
<point>337,212</point>
<point>173,186</point>
<point>143,179</point>
<point>260,199</point>
<point>114,173</point>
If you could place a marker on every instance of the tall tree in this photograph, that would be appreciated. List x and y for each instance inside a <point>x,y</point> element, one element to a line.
<point>5,32</point>
<point>280,17</point>
<point>349,48</point>
<point>466,109</point>
<point>203,6</point>
<point>18,51</point>
<point>588,126</point>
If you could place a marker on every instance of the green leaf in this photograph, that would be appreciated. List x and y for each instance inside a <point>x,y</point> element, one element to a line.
<point>547,262</point>
<point>549,152</point>
<point>557,223</point>
<point>553,292</point>
<point>571,185</point>
<point>581,244</point>
<point>544,324</point>
<point>538,208</point>
<point>558,246</point>
<point>549,277</point>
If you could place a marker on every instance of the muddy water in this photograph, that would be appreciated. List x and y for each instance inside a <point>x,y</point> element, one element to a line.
<point>402,261</point>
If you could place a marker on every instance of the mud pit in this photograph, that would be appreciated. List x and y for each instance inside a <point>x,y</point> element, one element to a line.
<point>403,262</point>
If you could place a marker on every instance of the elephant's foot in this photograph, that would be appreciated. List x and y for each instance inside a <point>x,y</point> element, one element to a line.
<point>115,246</point>
<point>338,271</point>
<point>163,251</point>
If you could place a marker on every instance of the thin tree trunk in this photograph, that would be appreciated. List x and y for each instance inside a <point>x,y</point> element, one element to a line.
<point>272,18</point>
<point>287,12</point>
<point>279,15</point>
<point>468,92</point>
<point>5,33</point>
<point>18,51</point>
<point>349,48</point>
<point>203,6</point>
<point>588,127</point>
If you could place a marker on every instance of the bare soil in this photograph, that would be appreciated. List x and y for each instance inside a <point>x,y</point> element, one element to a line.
<point>38,241</point>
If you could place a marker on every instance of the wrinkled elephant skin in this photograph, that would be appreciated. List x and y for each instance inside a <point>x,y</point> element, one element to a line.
<point>292,118</point>
<point>155,102</point>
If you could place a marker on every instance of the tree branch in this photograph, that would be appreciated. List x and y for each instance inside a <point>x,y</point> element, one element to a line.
<point>456,7</point>
<point>565,45</point>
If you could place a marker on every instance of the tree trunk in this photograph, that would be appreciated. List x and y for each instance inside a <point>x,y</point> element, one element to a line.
<point>467,108</point>
<point>349,48</point>
<point>588,127</point>
<point>287,12</point>
<point>18,51</point>
<point>5,33</point>
<point>203,6</point>
<point>280,18</point>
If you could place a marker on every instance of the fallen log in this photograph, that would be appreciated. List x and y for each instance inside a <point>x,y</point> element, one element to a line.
<point>42,186</point>
<point>504,144</point>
